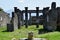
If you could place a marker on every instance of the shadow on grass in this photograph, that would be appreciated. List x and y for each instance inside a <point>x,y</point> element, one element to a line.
<point>7,31</point>
<point>42,31</point>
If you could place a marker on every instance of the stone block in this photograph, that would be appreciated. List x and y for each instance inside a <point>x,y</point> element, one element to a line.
<point>10,28</point>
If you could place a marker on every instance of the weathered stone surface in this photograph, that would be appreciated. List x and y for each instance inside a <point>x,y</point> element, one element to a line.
<point>52,24</point>
<point>10,28</point>
<point>50,16</point>
<point>45,12</point>
<point>37,17</point>
<point>15,21</point>
<point>30,21</point>
<point>58,18</point>
<point>26,17</point>
<point>4,18</point>
<point>19,19</point>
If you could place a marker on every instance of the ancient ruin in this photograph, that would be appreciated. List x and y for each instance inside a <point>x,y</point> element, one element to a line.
<point>4,18</point>
<point>50,18</point>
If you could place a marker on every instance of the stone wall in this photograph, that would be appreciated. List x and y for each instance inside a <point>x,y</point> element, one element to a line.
<point>4,18</point>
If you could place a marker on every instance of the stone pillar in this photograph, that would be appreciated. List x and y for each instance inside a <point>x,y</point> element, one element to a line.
<point>45,17</point>
<point>19,22</point>
<point>53,5</point>
<point>15,19</point>
<point>19,18</point>
<point>53,17</point>
<point>37,17</point>
<point>22,20</point>
<point>58,18</point>
<point>26,17</point>
<point>44,22</point>
<point>29,18</point>
<point>15,9</point>
<point>52,25</point>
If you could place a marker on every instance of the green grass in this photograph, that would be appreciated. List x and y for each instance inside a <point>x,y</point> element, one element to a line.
<point>22,33</point>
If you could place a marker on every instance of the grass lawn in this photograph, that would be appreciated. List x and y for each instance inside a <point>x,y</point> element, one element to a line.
<point>22,33</point>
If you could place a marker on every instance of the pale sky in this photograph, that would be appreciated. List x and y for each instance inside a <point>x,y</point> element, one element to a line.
<point>31,4</point>
<point>9,4</point>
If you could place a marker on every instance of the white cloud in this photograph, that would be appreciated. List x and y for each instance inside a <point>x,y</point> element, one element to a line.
<point>21,1</point>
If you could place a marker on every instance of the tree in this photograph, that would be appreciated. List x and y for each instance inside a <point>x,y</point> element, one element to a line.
<point>1,9</point>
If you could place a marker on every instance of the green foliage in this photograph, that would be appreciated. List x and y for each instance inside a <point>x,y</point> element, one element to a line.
<point>22,33</point>
<point>1,9</point>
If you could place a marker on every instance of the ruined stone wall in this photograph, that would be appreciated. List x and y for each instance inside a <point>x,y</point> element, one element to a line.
<point>52,24</point>
<point>4,18</point>
<point>15,21</point>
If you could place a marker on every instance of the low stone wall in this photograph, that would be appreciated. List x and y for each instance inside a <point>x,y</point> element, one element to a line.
<point>33,39</point>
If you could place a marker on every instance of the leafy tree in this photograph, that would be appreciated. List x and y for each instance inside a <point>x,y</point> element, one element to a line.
<point>1,9</point>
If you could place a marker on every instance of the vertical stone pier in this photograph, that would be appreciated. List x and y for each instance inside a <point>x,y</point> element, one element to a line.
<point>22,20</point>
<point>29,18</point>
<point>37,17</point>
<point>26,17</point>
<point>19,18</point>
<point>15,19</point>
<point>45,17</point>
<point>58,19</point>
<point>52,17</point>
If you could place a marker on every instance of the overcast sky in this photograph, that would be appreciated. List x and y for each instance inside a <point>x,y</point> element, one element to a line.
<point>9,4</point>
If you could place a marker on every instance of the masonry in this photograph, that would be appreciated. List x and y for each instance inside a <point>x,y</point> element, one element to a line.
<point>50,17</point>
<point>4,18</point>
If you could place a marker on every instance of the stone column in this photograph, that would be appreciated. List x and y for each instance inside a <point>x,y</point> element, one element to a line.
<point>52,18</point>
<point>19,22</point>
<point>58,18</point>
<point>22,20</point>
<point>26,17</point>
<point>44,23</point>
<point>29,18</point>
<point>12,23</point>
<point>19,18</point>
<point>52,23</point>
<point>45,17</point>
<point>37,17</point>
<point>15,9</point>
<point>15,19</point>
